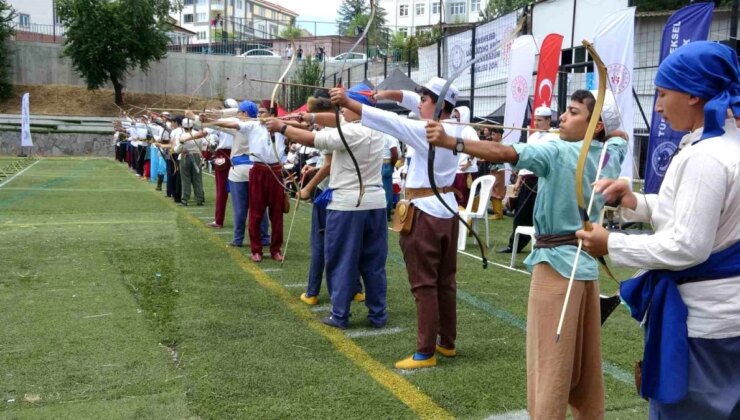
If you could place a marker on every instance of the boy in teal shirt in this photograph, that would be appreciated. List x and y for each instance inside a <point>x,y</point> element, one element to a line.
<point>567,372</point>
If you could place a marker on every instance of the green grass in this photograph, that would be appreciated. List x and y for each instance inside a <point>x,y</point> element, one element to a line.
<point>91,331</point>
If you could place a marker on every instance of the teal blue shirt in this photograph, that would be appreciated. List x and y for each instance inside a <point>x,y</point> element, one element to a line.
<point>556,209</point>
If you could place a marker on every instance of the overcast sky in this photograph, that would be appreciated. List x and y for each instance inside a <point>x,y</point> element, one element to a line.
<point>310,11</point>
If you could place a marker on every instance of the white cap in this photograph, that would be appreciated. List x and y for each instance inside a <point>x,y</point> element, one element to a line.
<point>187,123</point>
<point>231,103</point>
<point>435,84</point>
<point>543,111</point>
<point>610,112</point>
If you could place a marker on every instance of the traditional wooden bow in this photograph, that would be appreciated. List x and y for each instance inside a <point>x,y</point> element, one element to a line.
<point>583,209</point>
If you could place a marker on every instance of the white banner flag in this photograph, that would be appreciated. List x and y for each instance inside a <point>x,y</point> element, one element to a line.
<point>523,51</point>
<point>26,140</point>
<point>615,41</point>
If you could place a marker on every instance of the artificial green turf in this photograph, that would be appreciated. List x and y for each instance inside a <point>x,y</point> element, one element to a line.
<point>92,330</point>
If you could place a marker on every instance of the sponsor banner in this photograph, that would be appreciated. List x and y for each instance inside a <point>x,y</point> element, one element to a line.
<point>488,39</point>
<point>688,24</point>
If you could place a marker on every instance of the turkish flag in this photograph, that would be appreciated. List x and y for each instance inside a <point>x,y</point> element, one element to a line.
<point>547,69</point>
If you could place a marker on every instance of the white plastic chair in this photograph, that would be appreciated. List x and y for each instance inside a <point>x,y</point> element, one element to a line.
<point>520,230</point>
<point>484,184</point>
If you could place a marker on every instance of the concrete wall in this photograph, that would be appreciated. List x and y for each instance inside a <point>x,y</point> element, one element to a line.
<point>37,63</point>
<point>59,144</point>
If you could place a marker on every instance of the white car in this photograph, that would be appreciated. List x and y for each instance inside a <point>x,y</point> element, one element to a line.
<point>260,53</point>
<point>353,58</point>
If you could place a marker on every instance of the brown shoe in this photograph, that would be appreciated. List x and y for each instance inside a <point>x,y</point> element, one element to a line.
<point>277,256</point>
<point>214,225</point>
<point>256,257</point>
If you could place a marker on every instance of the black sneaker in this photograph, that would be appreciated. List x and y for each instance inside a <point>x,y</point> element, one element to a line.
<point>505,250</point>
<point>332,323</point>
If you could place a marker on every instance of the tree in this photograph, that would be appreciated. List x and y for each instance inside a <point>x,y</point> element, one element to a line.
<point>7,15</point>
<point>496,8</point>
<point>291,32</point>
<point>352,19</point>
<point>309,73</point>
<point>106,39</point>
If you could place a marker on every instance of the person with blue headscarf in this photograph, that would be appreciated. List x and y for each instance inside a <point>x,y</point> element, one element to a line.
<point>689,299</point>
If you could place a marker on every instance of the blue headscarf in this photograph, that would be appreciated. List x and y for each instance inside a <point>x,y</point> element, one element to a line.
<point>249,108</point>
<point>709,71</point>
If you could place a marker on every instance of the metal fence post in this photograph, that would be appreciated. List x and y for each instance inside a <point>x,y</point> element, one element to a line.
<point>472,73</point>
<point>409,58</point>
<point>439,55</point>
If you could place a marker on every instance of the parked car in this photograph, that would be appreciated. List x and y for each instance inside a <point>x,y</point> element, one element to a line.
<point>353,58</point>
<point>260,53</point>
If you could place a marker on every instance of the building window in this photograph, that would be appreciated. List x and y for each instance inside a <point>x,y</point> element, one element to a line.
<point>419,9</point>
<point>201,2</point>
<point>457,9</point>
<point>239,4</point>
<point>404,31</point>
<point>435,8</point>
<point>474,5</point>
<point>187,18</point>
<point>403,10</point>
<point>188,3</point>
<point>202,17</point>
<point>24,20</point>
<point>201,35</point>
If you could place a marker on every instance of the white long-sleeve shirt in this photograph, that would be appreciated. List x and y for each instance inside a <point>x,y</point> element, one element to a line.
<point>413,133</point>
<point>695,213</point>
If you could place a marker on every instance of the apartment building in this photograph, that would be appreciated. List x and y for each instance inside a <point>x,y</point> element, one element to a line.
<point>219,20</point>
<point>406,15</point>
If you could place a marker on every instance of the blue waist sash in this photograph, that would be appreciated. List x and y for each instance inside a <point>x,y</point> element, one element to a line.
<point>241,160</point>
<point>324,198</point>
<point>665,365</point>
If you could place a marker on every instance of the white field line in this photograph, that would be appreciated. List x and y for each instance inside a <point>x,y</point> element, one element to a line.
<point>373,333</point>
<point>97,316</point>
<point>510,415</point>
<point>74,189</point>
<point>19,173</point>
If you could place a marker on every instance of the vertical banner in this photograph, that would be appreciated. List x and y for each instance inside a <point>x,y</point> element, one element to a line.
<point>688,24</point>
<point>26,140</point>
<point>547,70</point>
<point>520,82</point>
<point>615,42</point>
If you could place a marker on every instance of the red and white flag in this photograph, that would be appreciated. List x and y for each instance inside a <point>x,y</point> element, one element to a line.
<point>547,69</point>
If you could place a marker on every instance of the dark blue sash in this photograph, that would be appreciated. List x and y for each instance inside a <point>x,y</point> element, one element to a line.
<point>666,357</point>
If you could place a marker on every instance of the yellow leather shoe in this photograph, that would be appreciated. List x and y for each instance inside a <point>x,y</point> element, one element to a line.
<point>446,352</point>
<point>309,300</point>
<point>359,297</point>
<point>410,363</point>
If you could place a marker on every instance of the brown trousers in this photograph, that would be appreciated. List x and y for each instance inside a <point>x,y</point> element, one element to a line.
<point>430,252</point>
<point>499,186</point>
<point>567,372</point>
